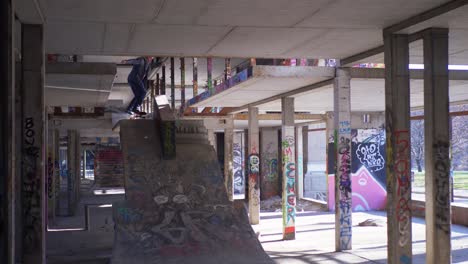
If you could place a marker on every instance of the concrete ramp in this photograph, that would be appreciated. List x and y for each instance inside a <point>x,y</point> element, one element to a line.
<point>177,211</point>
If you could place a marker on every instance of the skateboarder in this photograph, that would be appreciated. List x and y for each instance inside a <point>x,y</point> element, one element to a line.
<point>138,79</point>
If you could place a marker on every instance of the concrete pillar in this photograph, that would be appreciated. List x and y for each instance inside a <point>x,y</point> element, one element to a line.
<point>212,138</point>
<point>51,175</point>
<point>209,72</point>
<point>9,177</point>
<point>56,169</point>
<point>73,175</point>
<point>33,143</point>
<point>228,166</point>
<point>397,125</point>
<point>437,144</point>
<point>343,190</point>
<point>299,163</point>
<point>254,167</point>
<point>289,168</point>
<point>270,185</point>
<point>305,153</point>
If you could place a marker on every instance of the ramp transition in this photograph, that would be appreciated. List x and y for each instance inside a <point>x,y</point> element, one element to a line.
<point>177,211</point>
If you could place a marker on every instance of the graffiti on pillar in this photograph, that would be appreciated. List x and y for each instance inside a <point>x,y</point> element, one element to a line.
<point>254,169</point>
<point>344,181</point>
<point>442,182</point>
<point>238,164</point>
<point>269,164</point>
<point>289,181</point>
<point>31,187</point>
<point>402,168</point>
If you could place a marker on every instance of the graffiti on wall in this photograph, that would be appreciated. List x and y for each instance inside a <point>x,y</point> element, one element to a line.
<point>368,181</point>
<point>368,148</point>
<point>289,181</point>
<point>269,163</point>
<point>31,187</point>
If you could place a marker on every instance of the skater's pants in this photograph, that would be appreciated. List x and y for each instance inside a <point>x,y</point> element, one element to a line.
<point>138,88</point>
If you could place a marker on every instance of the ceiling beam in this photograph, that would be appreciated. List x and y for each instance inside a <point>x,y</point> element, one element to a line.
<point>424,16</point>
<point>362,55</point>
<point>273,116</point>
<point>415,74</point>
<point>286,94</point>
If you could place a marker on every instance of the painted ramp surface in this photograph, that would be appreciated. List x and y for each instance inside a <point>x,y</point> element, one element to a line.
<point>177,211</point>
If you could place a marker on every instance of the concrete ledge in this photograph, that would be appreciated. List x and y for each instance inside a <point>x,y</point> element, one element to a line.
<point>323,205</point>
<point>459,212</point>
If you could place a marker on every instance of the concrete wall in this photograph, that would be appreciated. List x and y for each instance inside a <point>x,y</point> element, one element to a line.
<point>459,212</point>
<point>315,181</point>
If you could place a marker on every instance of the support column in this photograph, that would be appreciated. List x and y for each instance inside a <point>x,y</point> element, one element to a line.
<point>57,169</point>
<point>397,125</point>
<point>33,143</point>
<point>211,137</point>
<point>254,167</point>
<point>9,177</point>
<point>288,144</point>
<point>305,154</point>
<point>209,72</point>
<point>182,84</point>
<point>51,176</point>
<point>343,192</point>
<point>172,84</point>
<point>299,163</point>
<point>437,145</point>
<point>73,175</point>
<point>228,166</point>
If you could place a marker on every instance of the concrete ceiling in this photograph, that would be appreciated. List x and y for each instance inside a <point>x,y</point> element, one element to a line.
<point>366,95</point>
<point>225,28</point>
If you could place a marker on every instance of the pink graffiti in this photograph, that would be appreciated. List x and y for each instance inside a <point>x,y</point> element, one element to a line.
<point>367,194</point>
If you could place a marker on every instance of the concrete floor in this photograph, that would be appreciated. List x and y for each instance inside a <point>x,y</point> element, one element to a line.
<point>315,240</point>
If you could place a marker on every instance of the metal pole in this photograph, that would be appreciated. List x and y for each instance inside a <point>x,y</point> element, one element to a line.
<point>182,83</point>
<point>172,84</point>
<point>157,84</point>
<point>227,69</point>
<point>163,80</point>
<point>209,68</point>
